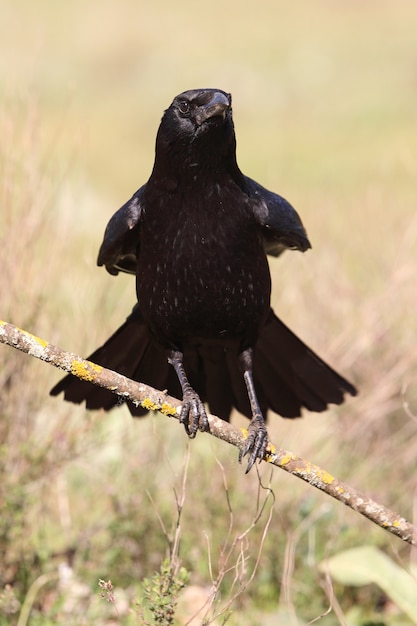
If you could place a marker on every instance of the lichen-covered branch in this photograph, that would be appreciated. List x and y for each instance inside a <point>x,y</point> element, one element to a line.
<point>154,400</point>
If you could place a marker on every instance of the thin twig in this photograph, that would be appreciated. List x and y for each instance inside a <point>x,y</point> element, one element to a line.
<point>155,400</point>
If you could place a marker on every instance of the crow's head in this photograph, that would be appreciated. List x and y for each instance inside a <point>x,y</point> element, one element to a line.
<point>200,109</point>
<point>197,129</point>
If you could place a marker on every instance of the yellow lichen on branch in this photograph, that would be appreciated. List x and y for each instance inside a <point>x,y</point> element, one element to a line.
<point>85,369</point>
<point>152,399</point>
<point>168,409</point>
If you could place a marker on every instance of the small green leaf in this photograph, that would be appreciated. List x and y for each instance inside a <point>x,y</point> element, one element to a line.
<point>366,565</point>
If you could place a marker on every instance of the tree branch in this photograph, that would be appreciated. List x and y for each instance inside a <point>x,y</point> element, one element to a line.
<point>154,400</point>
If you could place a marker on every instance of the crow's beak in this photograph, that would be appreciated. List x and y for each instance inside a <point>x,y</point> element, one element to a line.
<point>217,106</point>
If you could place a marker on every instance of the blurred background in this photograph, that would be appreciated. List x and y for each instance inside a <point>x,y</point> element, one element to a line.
<point>324,100</point>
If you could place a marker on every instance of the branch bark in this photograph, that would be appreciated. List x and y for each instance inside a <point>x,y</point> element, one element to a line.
<point>155,400</point>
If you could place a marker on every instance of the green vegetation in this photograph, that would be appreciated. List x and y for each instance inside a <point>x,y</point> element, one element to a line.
<point>324,104</point>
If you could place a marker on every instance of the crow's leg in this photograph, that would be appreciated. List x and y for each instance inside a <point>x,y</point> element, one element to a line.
<point>193,413</point>
<point>257,440</point>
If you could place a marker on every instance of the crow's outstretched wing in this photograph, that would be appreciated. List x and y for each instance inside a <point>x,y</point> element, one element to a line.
<point>279,221</point>
<point>118,252</point>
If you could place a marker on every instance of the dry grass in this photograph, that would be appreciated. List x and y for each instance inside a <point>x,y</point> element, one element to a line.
<point>324,108</point>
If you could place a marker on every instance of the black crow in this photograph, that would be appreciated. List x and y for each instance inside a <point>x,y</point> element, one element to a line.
<point>196,236</point>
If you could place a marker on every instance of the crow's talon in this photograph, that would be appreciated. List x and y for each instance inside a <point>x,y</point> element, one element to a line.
<point>193,414</point>
<point>255,444</point>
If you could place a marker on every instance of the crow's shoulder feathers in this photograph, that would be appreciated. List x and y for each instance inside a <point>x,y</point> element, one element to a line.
<point>118,250</point>
<point>280,223</point>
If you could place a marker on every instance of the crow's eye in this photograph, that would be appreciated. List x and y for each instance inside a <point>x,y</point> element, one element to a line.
<point>184,107</point>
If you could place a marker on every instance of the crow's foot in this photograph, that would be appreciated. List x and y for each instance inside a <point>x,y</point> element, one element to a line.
<point>193,413</point>
<point>255,444</point>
